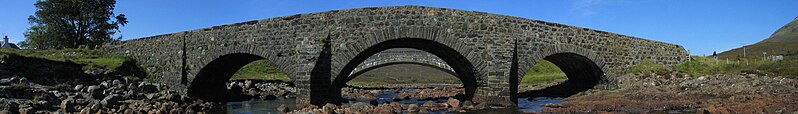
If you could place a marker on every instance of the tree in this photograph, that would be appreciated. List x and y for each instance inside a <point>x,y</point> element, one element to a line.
<point>72,23</point>
<point>22,45</point>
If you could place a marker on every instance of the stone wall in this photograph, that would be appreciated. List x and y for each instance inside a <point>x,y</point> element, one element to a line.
<point>486,41</point>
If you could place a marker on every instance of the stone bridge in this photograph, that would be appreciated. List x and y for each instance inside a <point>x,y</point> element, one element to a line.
<point>319,51</point>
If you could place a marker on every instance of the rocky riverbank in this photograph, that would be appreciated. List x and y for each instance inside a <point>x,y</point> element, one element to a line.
<point>263,90</point>
<point>124,95</point>
<point>681,93</point>
<point>36,85</point>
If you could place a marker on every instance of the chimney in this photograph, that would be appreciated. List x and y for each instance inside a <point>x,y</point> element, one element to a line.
<point>5,39</point>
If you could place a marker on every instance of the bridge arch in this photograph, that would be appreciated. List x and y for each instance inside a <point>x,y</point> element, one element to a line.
<point>463,69</point>
<point>583,68</point>
<point>209,83</point>
<point>402,56</point>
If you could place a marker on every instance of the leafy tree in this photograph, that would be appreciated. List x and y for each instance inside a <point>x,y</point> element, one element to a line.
<point>72,23</point>
<point>22,44</point>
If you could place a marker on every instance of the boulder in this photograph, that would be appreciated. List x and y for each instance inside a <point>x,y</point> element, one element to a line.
<point>116,82</point>
<point>359,106</point>
<point>423,110</point>
<point>412,108</point>
<point>28,110</point>
<point>172,97</point>
<point>468,105</point>
<point>110,100</point>
<point>95,92</point>
<point>5,81</point>
<point>147,87</point>
<point>78,87</point>
<point>329,108</point>
<point>453,102</point>
<point>105,84</point>
<point>283,108</point>
<point>175,111</point>
<point>481,106</point>
<point>430,104</point>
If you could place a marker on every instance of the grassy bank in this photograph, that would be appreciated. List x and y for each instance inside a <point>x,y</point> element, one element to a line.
<point>92,59</point>
<point>262,70</point>
<point>543,72</point>
<point>706,65</point>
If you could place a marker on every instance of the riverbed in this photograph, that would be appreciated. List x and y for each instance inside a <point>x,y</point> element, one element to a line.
<point>386,96</point>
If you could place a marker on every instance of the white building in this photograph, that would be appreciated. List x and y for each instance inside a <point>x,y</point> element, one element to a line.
<point>6,44</point>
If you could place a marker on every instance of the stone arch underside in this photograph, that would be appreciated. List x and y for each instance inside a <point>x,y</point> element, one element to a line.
<point>464,69</point>
<point>209,84</point>
<point>583,68</point>
<point>367,69</point>
<point>402,56</point>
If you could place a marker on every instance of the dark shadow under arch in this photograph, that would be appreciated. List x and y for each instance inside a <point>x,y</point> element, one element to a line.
<point>355,74</point>
<point>583,74</point>
<point>209,83</point>
<point>463,68</point>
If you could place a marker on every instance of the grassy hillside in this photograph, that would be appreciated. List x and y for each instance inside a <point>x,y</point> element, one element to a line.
<point>260,69</point>
<point>706,65</point>
<point>92,59</point>
<point>782,42</point>
<point>544,71</point>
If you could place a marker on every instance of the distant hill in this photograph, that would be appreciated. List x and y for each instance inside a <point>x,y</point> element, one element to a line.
<point>783,42</point>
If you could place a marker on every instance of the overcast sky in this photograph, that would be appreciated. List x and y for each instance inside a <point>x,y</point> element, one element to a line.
<point>701,26</point>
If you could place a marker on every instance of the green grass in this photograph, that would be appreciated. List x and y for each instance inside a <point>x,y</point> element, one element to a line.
<point>92,59</point>
<point>260,70</point>
<point>699,66</point>
<point>543,72</point>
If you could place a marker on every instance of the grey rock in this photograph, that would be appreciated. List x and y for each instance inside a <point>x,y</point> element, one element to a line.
<point>116,82</point>
<point>105,84</point>
<point>111,100</point>
<point>43,103</point>
<point>361,106</point>
<point>27,110</point>
<point>5,81</point>
<point>24,80</point>
<point>412,107</point>
<point>68,105</point>
<point>78,87</point>
<point>173,97</point>
<point>147,87</point>
<point>283,108</point>
<point>95,92</point>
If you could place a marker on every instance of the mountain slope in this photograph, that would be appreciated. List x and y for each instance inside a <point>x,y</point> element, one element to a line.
<point>783,42</point>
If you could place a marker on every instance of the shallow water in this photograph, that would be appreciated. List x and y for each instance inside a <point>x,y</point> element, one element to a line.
<point>261,107</point>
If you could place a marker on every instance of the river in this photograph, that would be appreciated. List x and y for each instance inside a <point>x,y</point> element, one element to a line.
<point>270,106</point>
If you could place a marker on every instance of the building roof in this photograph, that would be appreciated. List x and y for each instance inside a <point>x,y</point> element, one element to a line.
<point>6,44</point>
<point>9,45</point>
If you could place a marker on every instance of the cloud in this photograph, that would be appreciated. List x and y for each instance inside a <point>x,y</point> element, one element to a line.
<point>583,7</point>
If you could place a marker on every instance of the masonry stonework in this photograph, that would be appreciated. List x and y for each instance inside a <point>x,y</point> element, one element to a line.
<point>484,44</point>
